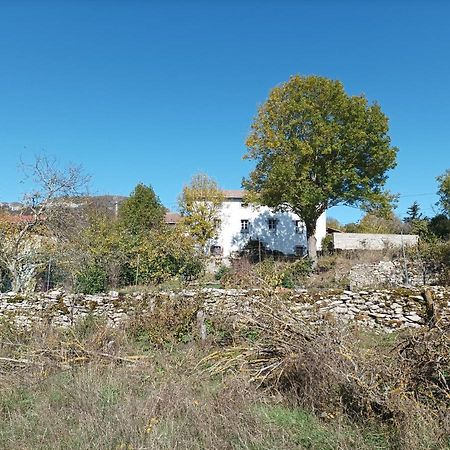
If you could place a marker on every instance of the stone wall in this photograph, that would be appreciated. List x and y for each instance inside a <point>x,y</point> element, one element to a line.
<point>373,241</point>
<point>389,274</point>
<point>388,308</point>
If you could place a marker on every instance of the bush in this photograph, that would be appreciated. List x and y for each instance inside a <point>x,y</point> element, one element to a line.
<point>222,272</point>
<point>91,280</point>
<point>172,320</point>
<point>434,257</point>
<point>161,255</point>
<point>268,273</point>
<point>328,244</point>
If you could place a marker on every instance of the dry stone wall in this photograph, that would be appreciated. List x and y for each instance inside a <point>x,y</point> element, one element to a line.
<point>389,274</point>
<point>382,308</point>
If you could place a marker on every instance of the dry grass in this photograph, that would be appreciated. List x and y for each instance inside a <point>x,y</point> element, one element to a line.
<point>401,382</point>
<point>95,388</point>
<point>278,384</point>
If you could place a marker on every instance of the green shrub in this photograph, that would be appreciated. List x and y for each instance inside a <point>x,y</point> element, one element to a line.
<point>222,271</point>
<point>434,257</point>
<point>300,268</point>
<point>92,280</point>
<point>283,274</point>
<point>328,244</point>
<point>171,321</point>
<point>267,273</point>
<point>162,255</point>
<point>326,263</point>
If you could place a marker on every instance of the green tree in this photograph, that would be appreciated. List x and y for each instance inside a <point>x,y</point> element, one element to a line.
<point>444,192</point>
<point>371,223</point>
<point>101,250</point>
<point>413,213</point>
<point>440,226</point>
<point>200,204</point>
<point>141,211</point>
<point>163,254</point>
<point>316,147</point>
<point>416,222</point>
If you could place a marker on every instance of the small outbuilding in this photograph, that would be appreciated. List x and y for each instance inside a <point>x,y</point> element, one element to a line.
<point>370,241</point>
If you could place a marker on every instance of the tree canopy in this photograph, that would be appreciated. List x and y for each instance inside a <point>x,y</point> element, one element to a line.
<point>371,223</point>
<point>25,243</point>
<point>413,213</point>
<point>316,147</point>
<point>200,204</point>
<point>141,211</point>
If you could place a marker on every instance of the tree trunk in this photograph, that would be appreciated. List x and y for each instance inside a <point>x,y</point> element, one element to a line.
<point>312,243</point>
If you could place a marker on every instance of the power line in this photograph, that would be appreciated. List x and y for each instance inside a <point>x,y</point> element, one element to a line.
<point>417,195</point>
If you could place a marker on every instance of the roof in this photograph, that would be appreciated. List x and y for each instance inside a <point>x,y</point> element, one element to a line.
<point>233,193</point>
<point>12,218</point>
<point>172,217</point>
<point>333,230</point>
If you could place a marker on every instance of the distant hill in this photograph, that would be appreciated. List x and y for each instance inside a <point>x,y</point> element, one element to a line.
<point>105,202</point>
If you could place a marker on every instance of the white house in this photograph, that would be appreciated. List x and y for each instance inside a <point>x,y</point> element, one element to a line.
<point>281,231</point>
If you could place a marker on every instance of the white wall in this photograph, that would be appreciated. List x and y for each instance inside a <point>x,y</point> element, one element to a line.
<point>283,239</point>
<point>366,241</point>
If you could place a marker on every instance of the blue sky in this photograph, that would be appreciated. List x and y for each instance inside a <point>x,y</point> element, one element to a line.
<point>154,92</point>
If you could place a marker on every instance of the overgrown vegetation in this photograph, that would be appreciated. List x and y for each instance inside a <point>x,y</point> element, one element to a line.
<point>61,237</point>
<point>271,383</point>
<point>269,273</point>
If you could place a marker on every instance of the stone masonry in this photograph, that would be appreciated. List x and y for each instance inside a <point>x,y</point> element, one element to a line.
<point>387,309</point>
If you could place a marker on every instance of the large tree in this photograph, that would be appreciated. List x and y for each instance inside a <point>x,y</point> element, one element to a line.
<point>316,147</point>
<point>200,204</point>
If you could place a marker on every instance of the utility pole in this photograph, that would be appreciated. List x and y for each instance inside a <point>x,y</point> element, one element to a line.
<point>404,261</point>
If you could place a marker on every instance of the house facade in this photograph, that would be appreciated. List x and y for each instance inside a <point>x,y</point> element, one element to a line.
<point>280,231</point>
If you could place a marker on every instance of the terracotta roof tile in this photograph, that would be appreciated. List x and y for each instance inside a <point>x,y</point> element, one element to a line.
<point>233,193</point>
<point>172,217</point>
<point>11,218</point>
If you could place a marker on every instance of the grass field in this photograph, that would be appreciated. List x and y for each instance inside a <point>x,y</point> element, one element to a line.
<point>92,387</point>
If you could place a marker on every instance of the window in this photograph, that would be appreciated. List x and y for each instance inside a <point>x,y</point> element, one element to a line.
<point>300,250</point>
<point>216,250</point>
<point>272,223</point>
<point>244,226</point>
<point>299,227</point>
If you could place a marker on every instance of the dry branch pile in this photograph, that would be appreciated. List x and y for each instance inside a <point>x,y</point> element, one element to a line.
<point>47,350</point>
<point>401,380</point>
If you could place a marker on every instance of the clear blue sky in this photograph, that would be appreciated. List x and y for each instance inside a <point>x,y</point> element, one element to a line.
<point>154,92</point>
